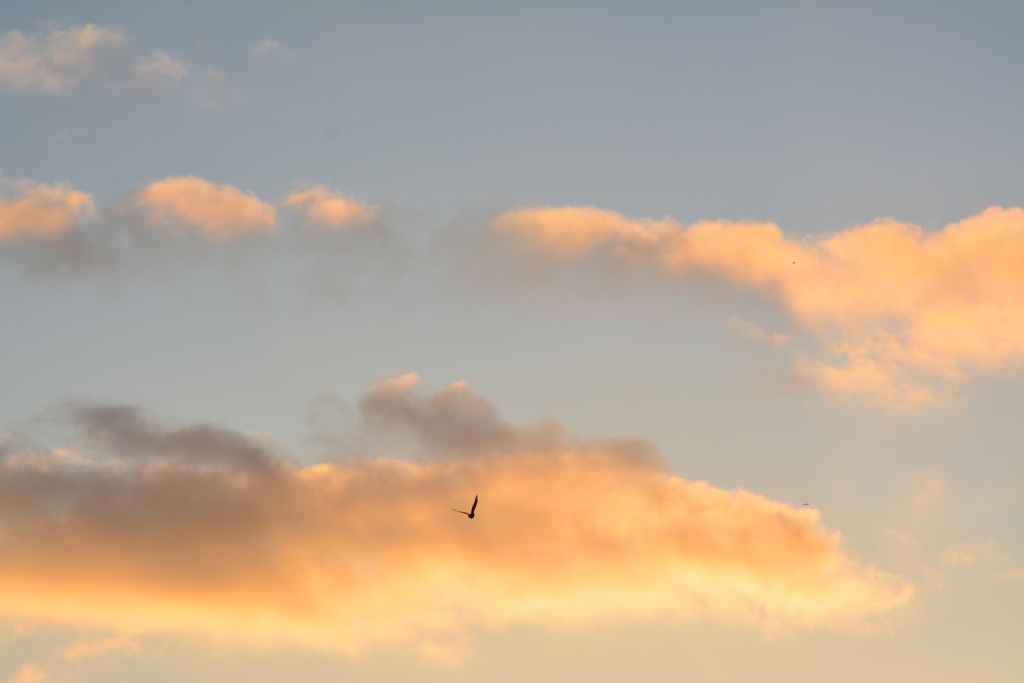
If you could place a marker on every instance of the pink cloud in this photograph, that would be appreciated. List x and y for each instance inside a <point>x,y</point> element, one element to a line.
<point>221,212</point>
<point>901,315</point>
<point>31,210</point>
<point>330,209</point>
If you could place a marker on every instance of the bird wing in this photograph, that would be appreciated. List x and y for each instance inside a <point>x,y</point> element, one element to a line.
<point>465,513</point>
<point>476,499</point>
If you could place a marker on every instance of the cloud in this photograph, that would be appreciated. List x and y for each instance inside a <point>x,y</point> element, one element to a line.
<point>142,526</point>
<point>180,222</point>
<point>270,52</point>
<point>903,538</point>
<point>330,209</point>
<point>1009,575</point>
<point>158,73</point>
<point>210,90</point>
<point>221,212</point>
<point>754,333</point>
<point>926,489</point>
<point>30,673</point>
<point>901,315</point>
<point>40,211</point>
<point>84,648</point>
<point>457,423</point>
<point>57,62</point>
<point>964,553</point>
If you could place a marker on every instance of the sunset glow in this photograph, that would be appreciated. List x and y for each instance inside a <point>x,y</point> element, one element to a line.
<point>547,342</point>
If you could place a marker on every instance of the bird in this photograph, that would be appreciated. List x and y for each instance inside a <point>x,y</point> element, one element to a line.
<point>472,511</point>
<point>805,504</point>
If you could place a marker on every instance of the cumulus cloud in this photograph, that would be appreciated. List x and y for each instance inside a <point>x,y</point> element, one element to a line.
<point>143,526</point>
<point>57,62</point>
<point>39,211</point>
<point>330,209</point>
<point>901,315</point>
<point>221,212</point>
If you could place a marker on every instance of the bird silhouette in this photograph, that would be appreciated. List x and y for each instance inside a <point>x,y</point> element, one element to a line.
<point>472,511</point>
<point>805,504</point>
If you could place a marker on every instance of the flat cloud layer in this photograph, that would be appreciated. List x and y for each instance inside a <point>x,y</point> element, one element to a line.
<point>142,527</point>
<point>904,316</point>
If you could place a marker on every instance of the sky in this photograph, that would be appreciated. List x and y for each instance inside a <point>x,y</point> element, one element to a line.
<point>718,308</point>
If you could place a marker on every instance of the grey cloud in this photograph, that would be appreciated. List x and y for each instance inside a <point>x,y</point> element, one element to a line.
<point>456,423</point>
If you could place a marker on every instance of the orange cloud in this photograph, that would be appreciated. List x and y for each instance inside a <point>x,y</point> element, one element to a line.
<point>331,209</point>
<point>902,315</point>
<point>221,212</point>
<point>42,211</point>
<point>146,527</point>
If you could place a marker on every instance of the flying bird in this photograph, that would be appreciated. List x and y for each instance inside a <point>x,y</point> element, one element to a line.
<point>472,511</point>
<point>805,504</point>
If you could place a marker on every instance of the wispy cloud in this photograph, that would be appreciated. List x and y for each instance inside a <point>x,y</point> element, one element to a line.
<point>752,332</point>
<point>964,553</point>
<point>211,89</point>
<point>901,315</point>
<point>30,673</point>
<point>55,63</point>
<point>926,489</point>
<point>270,52</point>
<point>84,648</point>
<point>59,61</point>
<point>145,526</point>
<point>157,73</point>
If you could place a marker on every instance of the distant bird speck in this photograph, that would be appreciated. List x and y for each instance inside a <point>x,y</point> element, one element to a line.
<point>805,504</point>
<point>472,511</point>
